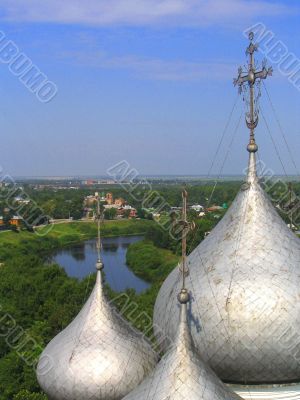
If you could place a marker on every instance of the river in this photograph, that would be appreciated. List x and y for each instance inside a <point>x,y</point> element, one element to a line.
<point>79,261</point>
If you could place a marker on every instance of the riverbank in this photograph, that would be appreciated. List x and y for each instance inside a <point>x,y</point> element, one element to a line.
<point>149,262</point>
<point>78,260</point>
<point>62,235</point>
<point>41,299</point>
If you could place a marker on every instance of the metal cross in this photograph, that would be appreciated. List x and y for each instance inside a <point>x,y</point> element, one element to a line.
<point>184,228</point>
<point>250,78</point>
<point>99,264</point>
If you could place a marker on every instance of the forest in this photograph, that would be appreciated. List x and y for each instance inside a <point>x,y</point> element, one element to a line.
<point>38,299</point>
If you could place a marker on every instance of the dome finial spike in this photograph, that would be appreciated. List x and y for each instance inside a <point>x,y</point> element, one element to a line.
<point>183,296</point>
<point>99,263</point>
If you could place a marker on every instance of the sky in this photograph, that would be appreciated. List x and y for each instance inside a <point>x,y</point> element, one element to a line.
<point>146,81</point>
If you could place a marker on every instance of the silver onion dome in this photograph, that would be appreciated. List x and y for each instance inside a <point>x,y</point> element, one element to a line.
<point>181,374</point>
<point>245,279</point>
<point>97,357</point>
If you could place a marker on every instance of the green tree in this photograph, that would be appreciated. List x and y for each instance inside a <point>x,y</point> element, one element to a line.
<point>49,207</point>
<point>126,213</point>
<point>110,213</point>
<point>26,395</point>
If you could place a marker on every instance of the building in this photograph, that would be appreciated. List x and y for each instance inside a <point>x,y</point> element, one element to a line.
<point>181,374</point>
<point>132,213</point>
<point>245,278</point>
<point>126,211</point>
<point>16,221</point>
<point>156,216</point>
<point>131,209</point>
<point>90,201</point>
<point>119,202</point>
<point>109,198</point>
<point>20,200</point>
<point>214,209</point>
<point>100,357</point>
<point>242,326</point>
<point>197,207</point>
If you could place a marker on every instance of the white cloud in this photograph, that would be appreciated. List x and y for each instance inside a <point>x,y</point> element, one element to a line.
<point>140,12</point>
<point>153,68</point>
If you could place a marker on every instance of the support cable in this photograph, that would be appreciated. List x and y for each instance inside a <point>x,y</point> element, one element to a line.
<point>219,174</point>
<point>274,143</point>
<point>225,158</point>
<point>222,136</point>
<point>216,155</point>
<point>281,130</point>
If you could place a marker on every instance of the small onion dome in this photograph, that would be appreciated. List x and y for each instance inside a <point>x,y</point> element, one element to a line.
<point>245,278</point>
<point>181,374</point>
<point>99,356</point>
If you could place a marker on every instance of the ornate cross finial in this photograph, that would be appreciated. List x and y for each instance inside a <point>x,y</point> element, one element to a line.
<point>251,77</point>
<point>99,264</point>
<point>186,226</point>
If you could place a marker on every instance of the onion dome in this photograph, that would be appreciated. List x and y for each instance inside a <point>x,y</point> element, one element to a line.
<point>245,279</point>
<point>181,374</point>
<point>99,356</point>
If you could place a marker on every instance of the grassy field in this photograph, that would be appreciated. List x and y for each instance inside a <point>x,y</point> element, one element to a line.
<point>65,234</point>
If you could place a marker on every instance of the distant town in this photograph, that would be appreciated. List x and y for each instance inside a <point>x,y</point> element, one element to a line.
<point>29,203</point>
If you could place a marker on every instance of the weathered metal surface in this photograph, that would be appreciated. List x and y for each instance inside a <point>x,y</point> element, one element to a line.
<point>275,392</point>
<point>245,309</point>
<point>97,357</point>
<point>181,374</point>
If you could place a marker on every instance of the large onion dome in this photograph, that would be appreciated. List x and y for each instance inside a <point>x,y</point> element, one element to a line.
<point>181,374</point>
<point>99,356</point>
<point>245,279</point>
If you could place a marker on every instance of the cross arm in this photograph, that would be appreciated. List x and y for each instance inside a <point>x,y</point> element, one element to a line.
<point>240,80</point>
<point>264,73</point>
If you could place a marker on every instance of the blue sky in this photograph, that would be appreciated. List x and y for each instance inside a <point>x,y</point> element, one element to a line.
<point>148,81</point>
